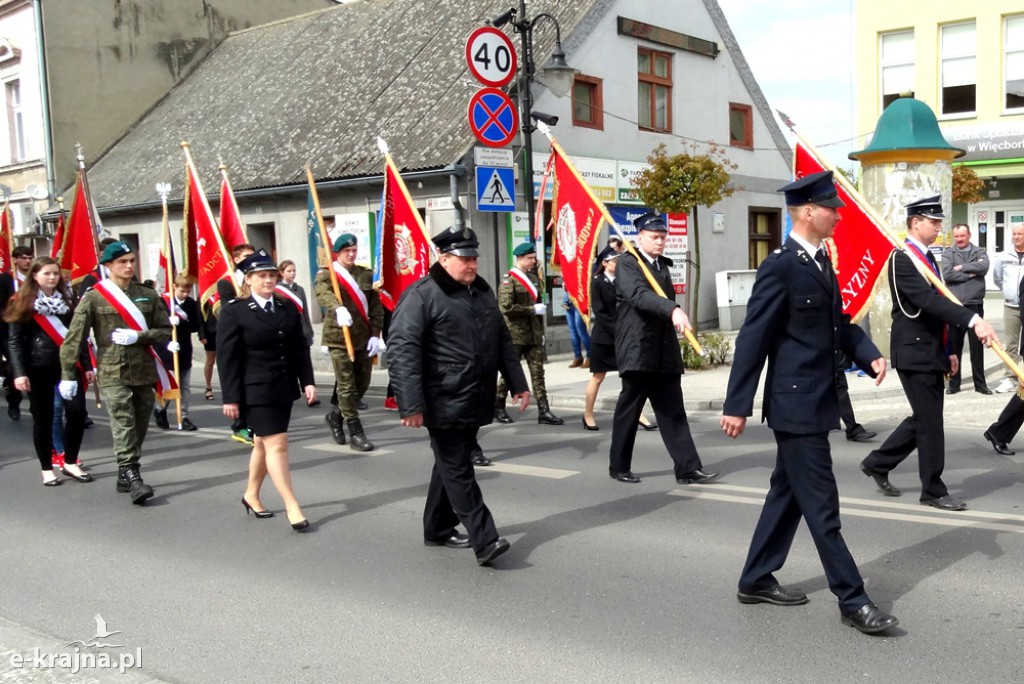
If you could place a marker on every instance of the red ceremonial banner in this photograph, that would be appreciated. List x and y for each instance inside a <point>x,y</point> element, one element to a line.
<point>207,259</point>
<point>232,228</point>
<point>6,236</point>
<point>859,247</point>
<point>577,216</point>
<point>404,250</point>
<point>79,253</point>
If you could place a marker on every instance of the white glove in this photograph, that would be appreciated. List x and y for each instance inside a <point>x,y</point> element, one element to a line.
<point>373,346</point>
<point>383,347</point>
<point>540,309</point>
<point>175,320</point>
<point>68,389</point>
<point>325,350</point>
<point>343,316</point>
<point>124,336</point>
<point>173,347</point>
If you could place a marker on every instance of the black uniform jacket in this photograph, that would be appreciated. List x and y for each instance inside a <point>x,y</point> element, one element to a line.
<point>447,344</point>
<point>795,321</point>
<point>185,329</point>
<point>919,316</point>
<point>262,358</point>
<point>644,337</point>
<point>602,308</point>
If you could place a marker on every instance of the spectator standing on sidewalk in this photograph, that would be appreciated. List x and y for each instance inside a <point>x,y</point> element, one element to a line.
<point>963,268</point>
<point>1007,273</point>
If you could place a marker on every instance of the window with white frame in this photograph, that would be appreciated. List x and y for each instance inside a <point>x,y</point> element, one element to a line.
<point>15,120</point>
<point>959,47</point>
<point>1013,45</point>
<point>896,58</point>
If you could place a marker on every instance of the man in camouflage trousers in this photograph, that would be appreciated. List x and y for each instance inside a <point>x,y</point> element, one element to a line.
<point>126,319</point>
<point>361,312</point>
<point>520,300</point>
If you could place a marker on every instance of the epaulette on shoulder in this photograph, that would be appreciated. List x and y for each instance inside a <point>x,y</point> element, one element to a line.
<point>236,300</point>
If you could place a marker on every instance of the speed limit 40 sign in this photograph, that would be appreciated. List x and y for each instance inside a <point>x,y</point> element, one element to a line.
<point>491,57</point>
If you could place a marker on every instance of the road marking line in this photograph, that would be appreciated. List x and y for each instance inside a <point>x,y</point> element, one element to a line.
<point>332,448</point>
<point>535,471</point>
<point>863,513</point>
<point>879,503</point>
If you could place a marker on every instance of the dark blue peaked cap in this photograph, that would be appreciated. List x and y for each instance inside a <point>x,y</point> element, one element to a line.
<point>818,188</point>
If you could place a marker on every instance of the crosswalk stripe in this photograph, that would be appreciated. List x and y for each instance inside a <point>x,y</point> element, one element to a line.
<point>332,448</point>
<point>946,519</point>
<point>535,471</point>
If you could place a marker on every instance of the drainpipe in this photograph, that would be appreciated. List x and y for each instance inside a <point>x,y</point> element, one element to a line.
<point>453,183</point>
<point>44,88</point>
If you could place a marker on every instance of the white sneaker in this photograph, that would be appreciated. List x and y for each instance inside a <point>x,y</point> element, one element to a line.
<point>1007,385</point>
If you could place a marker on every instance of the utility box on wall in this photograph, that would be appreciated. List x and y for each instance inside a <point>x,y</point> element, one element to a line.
<point>734,289</point>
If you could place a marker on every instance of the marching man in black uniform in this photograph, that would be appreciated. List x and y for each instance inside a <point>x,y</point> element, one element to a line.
<point>795,321</point>
<point>448,343</point>
<point>922,355</point>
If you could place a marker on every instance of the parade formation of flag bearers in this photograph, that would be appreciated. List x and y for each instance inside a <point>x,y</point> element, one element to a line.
<point>452,335</point>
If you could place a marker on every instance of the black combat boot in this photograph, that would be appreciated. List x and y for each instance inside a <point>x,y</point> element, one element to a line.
<point>161,419</point>
<point>500,414</point>
<point>359,441</point>
<point>139,490</point>
<point>544,414</point>
<point>123,485</point>
<point>333,420</point>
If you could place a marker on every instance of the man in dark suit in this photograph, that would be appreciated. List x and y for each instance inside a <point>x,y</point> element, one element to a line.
<point>922,355</point>
<point>649,359</point>
<point>795,321</point>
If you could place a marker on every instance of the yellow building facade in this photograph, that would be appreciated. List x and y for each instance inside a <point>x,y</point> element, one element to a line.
<point>965,60</point>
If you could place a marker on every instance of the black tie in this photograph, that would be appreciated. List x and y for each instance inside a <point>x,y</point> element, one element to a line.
<point>826,266</point>
<point>268,307</point>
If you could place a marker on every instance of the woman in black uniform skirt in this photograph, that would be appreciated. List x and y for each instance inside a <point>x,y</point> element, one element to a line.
<point>602,335</point>
<point>263,361</point>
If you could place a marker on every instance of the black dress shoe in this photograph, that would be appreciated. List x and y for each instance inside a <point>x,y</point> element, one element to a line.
<point>362,405</point>
<point>492,551</point>
<point>627,476</point>
<point>945,503</point>
<point>1000,447</point>
<point>983,390</point>
<point>501,415</point>
<point>775,595</point>
<point>647,426</point>
<point>861,435</point>
<point>952,390</point>
<point>882,481</point>
<point>481,460</point>
<point>870,619</point>
<point>456,541</point>
<point>696,477</point>
<point>588,426</point>
<point>14,412</point>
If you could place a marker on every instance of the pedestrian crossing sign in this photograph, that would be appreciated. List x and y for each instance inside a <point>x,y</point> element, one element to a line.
<point>495,188</point>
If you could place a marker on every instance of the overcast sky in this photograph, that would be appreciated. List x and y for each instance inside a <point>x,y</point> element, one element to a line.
<point>801,54</point>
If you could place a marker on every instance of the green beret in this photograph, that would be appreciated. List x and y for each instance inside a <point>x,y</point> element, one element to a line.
<point>524,249</point>
<point>115,250</point>
<point>344,240</point>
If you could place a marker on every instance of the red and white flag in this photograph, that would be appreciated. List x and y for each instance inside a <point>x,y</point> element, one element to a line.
<point>6,240</point>
<point>403,248</point>
<point>206,258</point>
<point>859,247</point>
<point>577,215</point>
<point>232,228</point>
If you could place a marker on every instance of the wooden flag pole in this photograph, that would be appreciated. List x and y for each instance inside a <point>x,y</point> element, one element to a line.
<point>655,285</point>
<point>164,189</point>
<point>330,265</point>
<point>95,241</point>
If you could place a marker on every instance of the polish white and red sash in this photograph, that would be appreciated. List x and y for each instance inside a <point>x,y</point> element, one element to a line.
<point>57,331</point>
<point>292,297</point>
<point>524,280</point>
<point>134,319</point>
<point>346,280</point>
<point>18,279</point>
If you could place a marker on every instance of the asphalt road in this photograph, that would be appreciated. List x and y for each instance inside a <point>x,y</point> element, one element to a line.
<point>605,582</point>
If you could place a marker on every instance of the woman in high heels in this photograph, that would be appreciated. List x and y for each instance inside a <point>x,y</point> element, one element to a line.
<point>264,365</point>
<point>602,335</point>
<point>38,319</point>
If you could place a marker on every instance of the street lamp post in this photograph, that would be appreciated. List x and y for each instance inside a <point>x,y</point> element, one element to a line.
<point>557,77</point>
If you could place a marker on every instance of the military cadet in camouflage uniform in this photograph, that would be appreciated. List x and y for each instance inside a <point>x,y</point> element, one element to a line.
<point>520,300</point>
<point>126,370</point>
<point>361,311</point>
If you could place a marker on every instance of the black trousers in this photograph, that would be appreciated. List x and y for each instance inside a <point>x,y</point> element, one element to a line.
<point>666,396</point>
<point>40,400</point>
<point>845,405</point>
<point>977,350</point>
<point>922,430</point>
<point>803,486</point>
<point>1009,422</point>
<point>454,495</point>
